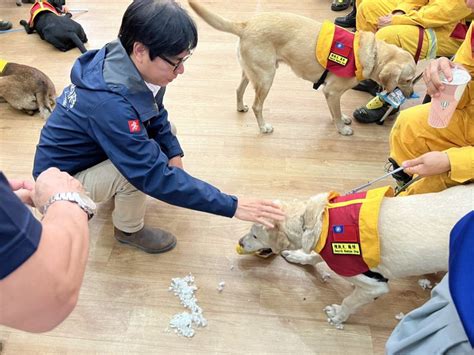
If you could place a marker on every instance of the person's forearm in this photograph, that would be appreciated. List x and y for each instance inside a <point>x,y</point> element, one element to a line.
<point>46,287</point>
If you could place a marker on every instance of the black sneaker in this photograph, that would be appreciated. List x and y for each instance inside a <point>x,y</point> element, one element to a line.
<point>347,21</point>
<point>369,86</point>
<point>340,5</point>
<point>5,25</point>
<point>373,111</point>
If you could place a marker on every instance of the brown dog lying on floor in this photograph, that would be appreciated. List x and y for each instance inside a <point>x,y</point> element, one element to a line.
<point>26,89</point>
<point>270,38</point>
<point>408,236</point>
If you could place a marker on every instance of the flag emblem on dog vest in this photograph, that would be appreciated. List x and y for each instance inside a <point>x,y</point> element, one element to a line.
<point>134,126</point>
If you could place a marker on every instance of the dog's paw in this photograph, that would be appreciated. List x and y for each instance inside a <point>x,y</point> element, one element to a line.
<point>266,128</point>
<point>336,315</point>
<point>242,108</point>
<point>346,131</point>
<point>346,119</point>
<point>291,256</point>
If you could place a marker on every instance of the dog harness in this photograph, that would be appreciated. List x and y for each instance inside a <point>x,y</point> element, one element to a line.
<point>3,64</point>
<point>337,51</point>
<point>349,241</point>
<point>38,7</point>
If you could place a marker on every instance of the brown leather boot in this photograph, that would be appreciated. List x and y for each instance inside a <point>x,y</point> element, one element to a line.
<point>150,240</point>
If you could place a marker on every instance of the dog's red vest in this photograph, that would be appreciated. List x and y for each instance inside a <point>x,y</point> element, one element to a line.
<point>349,241</point>
<point>337,51</point>
<point>40,6</point>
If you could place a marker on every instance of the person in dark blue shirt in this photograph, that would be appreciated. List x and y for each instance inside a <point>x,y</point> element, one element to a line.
<point>111,131</point>
<point>41,263</point>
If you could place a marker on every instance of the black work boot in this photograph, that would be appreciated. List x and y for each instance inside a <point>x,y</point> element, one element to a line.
<point>373,111</point>
<point>150,240</point>
<point>347,21</point>
<point>369,86</point>
<point>5,25</point>
<point>340,5</point>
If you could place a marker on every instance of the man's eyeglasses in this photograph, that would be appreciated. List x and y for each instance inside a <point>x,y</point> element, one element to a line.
<point>177,64</point>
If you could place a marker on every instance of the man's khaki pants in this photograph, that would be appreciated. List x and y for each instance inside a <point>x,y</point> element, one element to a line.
<point>103,181</point>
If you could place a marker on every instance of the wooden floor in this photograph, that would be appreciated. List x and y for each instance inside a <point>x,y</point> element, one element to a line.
<point>267,306</point>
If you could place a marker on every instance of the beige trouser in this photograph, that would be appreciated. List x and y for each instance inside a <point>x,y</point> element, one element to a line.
<point>103,181</point>
<point>436,42</point>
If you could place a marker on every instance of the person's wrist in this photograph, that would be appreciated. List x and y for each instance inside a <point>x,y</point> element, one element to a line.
<point>80,199</point>
<point>447,162</point>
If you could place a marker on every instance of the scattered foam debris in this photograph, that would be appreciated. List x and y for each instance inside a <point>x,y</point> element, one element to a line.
<point>182,323</point>
<point>221,285</point>
<point>424,283</point>
<point>339,326</point>
<point>399,316</point>
<point>232,267</point>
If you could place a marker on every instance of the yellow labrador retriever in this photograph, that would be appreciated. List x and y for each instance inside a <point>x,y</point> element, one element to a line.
<point>414,240</point>
<point>26,88</point>
<point>270,38</point>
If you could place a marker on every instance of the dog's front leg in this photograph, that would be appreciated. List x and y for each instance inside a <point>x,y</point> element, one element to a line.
<point>301,257</point>
<point>333,99</point>
<point>365,291</point>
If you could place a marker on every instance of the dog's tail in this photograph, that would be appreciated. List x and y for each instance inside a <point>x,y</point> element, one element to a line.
<point>216,21</point>
<point>42,101</point>
<point>77,41</point>
<point>45,96</point>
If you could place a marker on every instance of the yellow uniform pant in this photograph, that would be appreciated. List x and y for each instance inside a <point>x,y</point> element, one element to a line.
<point>412,136</point>
<point>436,42</point>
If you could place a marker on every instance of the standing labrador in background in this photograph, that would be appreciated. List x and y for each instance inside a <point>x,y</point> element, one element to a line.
<point>60,30</point>
<point>270,38</point>
<point>27,89</point>
<point>413,240</point>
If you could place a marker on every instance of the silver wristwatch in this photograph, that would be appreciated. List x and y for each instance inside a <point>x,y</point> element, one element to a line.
<point>82,200</point>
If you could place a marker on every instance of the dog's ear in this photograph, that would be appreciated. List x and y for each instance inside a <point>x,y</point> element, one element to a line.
<point>367,49</point>
<point>314,210</point>
<point>313,221</point>
<point>281,241</point>
<point>389,77</point>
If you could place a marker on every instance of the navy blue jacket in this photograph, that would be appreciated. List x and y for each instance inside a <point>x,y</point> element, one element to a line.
<point>108,112</point>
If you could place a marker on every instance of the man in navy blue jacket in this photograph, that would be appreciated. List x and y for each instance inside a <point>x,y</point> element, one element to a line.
<point>111,131</point>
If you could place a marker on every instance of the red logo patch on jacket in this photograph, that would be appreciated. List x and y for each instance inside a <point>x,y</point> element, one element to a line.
<point>134,126</point>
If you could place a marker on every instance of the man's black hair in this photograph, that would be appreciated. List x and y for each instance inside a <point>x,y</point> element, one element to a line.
<point>163,26</point>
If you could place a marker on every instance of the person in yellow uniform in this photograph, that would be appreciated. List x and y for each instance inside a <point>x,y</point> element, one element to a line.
<point>425,28</point>
<point>448,153</point>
